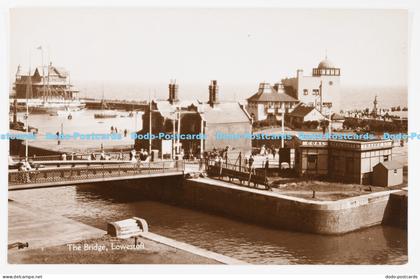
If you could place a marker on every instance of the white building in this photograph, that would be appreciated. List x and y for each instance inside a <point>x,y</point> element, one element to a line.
<point>269,102</point>
<point>320,90</point>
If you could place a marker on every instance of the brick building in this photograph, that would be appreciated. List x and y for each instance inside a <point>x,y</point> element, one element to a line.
<point>173,116</point>
<point>348,161</point>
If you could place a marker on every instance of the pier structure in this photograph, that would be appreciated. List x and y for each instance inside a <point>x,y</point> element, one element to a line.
<point>47,82</point>
<point>116,104</point>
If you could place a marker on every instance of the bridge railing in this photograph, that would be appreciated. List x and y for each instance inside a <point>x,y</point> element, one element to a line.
<point>75,173</point>
<point>240,172</point>
<point>76,156</point>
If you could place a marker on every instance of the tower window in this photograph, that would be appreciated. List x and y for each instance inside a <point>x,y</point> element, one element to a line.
<point>315,92</point>
<point>331,83</point>
<point>305,91</point>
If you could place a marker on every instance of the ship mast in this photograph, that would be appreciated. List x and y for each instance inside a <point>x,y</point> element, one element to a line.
<point>43,72</point>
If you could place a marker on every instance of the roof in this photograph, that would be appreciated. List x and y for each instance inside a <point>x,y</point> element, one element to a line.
<point>301,111</point>
<point>226,112</point>
<point>167,110</point>
<point>266,93</point>
<point>62,72</point>
<point>390,165</point>
<point>325,64</point>
<point>336,116</point>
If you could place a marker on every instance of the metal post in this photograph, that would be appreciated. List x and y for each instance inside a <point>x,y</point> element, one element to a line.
<point>28,90</point>
<point>329,122</point>
<point>150,126</point>
<point>240,161</point>
<point>201,136</point>
<point>179,133</point>
<point>173,139</point>
<point>282,129</point>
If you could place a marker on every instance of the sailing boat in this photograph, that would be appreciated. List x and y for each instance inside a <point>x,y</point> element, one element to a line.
<point>105,112</point>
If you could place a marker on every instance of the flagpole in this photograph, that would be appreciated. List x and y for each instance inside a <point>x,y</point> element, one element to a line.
<point>150,125</point>
<point>28,89</point>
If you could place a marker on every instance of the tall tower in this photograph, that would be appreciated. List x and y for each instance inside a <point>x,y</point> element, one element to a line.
<point>329,76</point>
<point>375,107</point>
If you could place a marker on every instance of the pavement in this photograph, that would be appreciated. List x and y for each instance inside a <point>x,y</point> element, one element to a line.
<point>44,229</point>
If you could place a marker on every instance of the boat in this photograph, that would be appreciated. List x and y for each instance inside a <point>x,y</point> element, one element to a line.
<point>106,114</point>
<point>67,112</point>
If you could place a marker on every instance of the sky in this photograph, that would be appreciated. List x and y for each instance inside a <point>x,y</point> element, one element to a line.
<point>192,45</point>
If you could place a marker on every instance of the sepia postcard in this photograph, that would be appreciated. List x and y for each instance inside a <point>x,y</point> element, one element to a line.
<point>209,135</point>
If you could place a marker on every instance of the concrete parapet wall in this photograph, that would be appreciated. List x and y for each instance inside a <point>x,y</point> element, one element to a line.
<point>397,210</point>
<point>285,212</point>
<point>269,208</point>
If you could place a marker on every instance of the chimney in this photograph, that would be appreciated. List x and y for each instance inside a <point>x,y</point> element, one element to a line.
<point>173,92</point>
<point>299,73</point>
<point>213,93</point>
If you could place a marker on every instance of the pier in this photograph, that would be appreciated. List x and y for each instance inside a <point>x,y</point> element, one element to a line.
<point>116,104</point>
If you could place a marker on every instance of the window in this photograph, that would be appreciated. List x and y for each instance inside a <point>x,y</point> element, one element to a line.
<point>312,158</point>
<point>305,91</point>
<point>395,171</point>
<point>330,83</point>
<point>315,92</point>
<point>386,158</point>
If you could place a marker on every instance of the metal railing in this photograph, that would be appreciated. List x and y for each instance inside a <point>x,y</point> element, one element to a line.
<point>243,173</point>
<point>86,172</point>
<point>77,156</point>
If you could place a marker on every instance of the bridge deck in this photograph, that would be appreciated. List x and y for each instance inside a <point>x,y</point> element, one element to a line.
<point>88,181</point>
<point>61,176</point>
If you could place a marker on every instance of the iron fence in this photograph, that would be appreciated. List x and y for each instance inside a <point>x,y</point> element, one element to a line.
<point>86,172</point>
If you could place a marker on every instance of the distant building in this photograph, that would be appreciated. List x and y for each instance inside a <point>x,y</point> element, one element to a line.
<point>304,113</point>
<point>320,90</point>
<point>269,102</point>
<point>337,121</point>
<point>174,116</point>
<point>348,161</point>
<point>49,82</point>
<point>389,173</point>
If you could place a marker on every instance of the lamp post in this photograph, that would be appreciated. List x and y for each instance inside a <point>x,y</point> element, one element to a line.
<point>150,126</point>
<point>282,111</point>
<point>329,121</point>
<point>28,92</point>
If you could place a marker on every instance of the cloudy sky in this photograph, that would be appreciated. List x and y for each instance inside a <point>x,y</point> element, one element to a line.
<point>196,45</point>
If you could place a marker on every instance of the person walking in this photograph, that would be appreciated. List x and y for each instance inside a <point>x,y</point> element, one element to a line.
<point>250,161</point>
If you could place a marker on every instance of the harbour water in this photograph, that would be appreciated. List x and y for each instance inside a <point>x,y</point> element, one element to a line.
<point>96,206</point>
